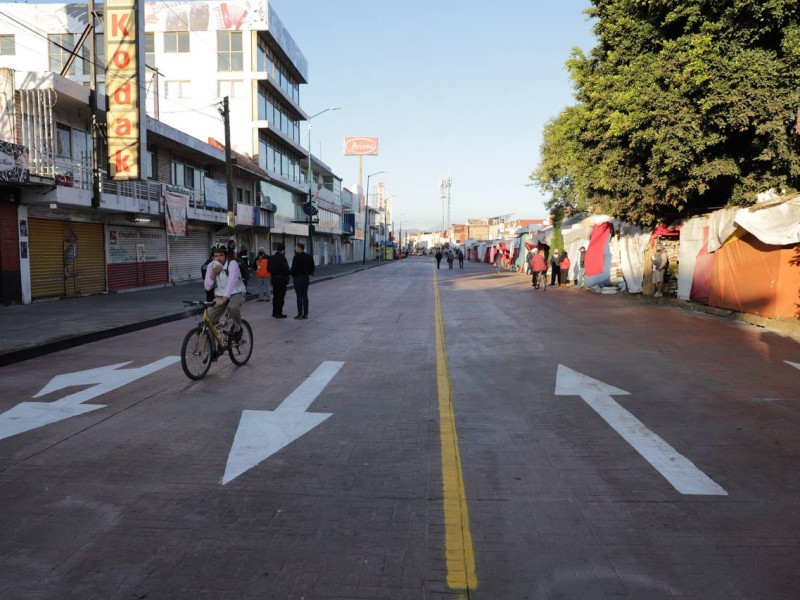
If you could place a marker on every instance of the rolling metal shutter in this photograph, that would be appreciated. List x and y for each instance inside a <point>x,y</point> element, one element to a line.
<point>47,258</point>
<point>187,254</point>
<point>90,265</point>
<point>67,258</point>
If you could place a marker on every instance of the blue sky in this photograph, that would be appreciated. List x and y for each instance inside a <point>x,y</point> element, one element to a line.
<point>450,88</point>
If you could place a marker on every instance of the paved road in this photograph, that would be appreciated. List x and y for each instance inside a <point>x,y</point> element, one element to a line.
<point>495,466</point>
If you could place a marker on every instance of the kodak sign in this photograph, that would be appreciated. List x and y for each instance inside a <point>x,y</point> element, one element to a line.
<point>124,83</point>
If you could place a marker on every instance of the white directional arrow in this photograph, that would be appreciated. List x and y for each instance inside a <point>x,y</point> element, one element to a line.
<point>676,468</point>
<point>262,433</point>
<point>31,415</point>
<point>795,365</point>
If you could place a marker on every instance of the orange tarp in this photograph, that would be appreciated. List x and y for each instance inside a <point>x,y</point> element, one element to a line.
<point>752,277</point>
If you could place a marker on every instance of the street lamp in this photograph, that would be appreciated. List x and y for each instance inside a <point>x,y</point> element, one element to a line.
<point>309,208</point>
<point>366,216</point>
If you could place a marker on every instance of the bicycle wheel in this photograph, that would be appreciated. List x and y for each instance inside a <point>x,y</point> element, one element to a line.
<point>240,351</point>
<point>544,281</point>
<point>196,353</point>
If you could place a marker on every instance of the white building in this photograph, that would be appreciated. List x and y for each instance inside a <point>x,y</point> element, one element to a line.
<point>196,54</point>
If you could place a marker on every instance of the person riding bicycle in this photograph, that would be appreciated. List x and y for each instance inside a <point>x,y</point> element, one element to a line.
<point>538,267</point>
<point>224,277</point>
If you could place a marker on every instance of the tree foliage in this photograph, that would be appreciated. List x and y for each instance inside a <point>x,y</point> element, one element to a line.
<point>683,105</point>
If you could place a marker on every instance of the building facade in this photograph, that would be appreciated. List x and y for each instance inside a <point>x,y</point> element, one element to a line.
<point>246,55</point>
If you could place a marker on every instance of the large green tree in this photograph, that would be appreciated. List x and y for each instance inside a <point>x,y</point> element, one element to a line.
<point>683,105</point>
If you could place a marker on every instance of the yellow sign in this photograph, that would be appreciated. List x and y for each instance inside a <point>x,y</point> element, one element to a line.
<point>123,87</point>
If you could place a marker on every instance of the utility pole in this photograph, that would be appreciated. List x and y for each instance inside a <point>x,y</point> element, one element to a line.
<point>96,187</point>
<point>226,119</point>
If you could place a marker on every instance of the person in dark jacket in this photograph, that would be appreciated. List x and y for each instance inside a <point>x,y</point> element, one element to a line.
<point>279,275</point>
<point>302,269</point>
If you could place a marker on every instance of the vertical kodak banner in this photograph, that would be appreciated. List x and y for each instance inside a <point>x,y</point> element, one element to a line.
<point>124,82</point>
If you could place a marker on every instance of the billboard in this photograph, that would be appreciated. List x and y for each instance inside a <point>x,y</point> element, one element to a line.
<point>124,82</point>
<point>361,146</point>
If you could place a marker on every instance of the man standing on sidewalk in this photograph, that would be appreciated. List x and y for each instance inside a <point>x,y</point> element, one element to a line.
<point>279,274</point>
<point>302,269</point>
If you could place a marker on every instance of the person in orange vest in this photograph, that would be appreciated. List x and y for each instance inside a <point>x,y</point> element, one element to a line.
<point>262,274</point>
<point>564,264</point>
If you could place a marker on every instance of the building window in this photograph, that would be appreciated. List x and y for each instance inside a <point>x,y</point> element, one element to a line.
<point>178,89</point>
<point>60,46</point>
<point>151,163</point>
<point>63,141</point>
<point>150,50</point>
<point>230,56</point>
<point>176,41</point>
<point>7,45</point>
<point>230,87</point>
<point>100,51</point>
<point>178,173</point>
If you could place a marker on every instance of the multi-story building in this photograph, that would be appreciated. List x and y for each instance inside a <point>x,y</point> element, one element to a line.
<point>62,237</point>
<point>196,54</point>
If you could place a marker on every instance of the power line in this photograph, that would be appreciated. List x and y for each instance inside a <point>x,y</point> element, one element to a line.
<point>91,60</point>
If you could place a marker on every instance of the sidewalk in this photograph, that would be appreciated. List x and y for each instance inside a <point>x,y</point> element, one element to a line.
<point>40,328</point>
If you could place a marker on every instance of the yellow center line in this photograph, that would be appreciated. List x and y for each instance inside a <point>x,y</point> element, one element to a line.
<point>458,537</point>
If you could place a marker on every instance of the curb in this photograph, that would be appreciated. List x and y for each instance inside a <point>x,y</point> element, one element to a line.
<point>15,356</point>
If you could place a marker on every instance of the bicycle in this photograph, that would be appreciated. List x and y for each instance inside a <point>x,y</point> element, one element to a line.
<point>206,342</point>
<point>540,281</point>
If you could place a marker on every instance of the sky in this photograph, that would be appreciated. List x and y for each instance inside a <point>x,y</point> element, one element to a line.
<point>450,87</point>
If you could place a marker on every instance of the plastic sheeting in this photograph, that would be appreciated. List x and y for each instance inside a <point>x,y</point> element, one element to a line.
<point>777,224</point>
<point>753,277</point>
<point>691,241</point>
<point>703,271</point>
<point>598,256</point>
<point>720,227</point>
<point>632,245</point>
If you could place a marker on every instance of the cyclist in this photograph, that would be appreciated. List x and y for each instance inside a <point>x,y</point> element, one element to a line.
<point>224,277</point>
<point>538,267</point>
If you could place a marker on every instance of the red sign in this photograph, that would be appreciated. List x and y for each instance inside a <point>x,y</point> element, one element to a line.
<point>364,146</point>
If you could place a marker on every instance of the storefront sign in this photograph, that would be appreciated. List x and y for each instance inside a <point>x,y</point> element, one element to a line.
<point>364,146</point>
<point>175,209</point>
<point>124,80</point>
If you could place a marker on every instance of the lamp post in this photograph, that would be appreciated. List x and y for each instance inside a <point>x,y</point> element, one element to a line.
<point>366,216</point>
<point>309,207</point>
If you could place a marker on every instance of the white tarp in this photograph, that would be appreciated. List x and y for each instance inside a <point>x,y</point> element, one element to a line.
<point>721,226</point>
<point>776,225</point>
<point>691,243</point>
<point>632,245</point>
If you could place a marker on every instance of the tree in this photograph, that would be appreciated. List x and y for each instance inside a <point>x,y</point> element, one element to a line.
<point>683,106</point>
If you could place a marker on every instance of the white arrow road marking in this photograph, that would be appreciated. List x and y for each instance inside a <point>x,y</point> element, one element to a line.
<point>262,433</point>
<point>676,468</point>
<point>31,415</point>
<point>795,365</point>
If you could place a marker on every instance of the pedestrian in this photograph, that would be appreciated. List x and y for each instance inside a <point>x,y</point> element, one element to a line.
<point>460,259</point>
<point>302,270</point>
<point>660,264</point>
<point>538,268</point>
<point>581,281</point>
<point>279,276</point>
<point>526,267</point>
<point>450,258</point>
<point>563,265</point>
<point>438,257</point>
<point>203,268</point>
<point>262,274</point>
<point>243,259</point>
<point>555,269</point>
<point>498,259</point>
